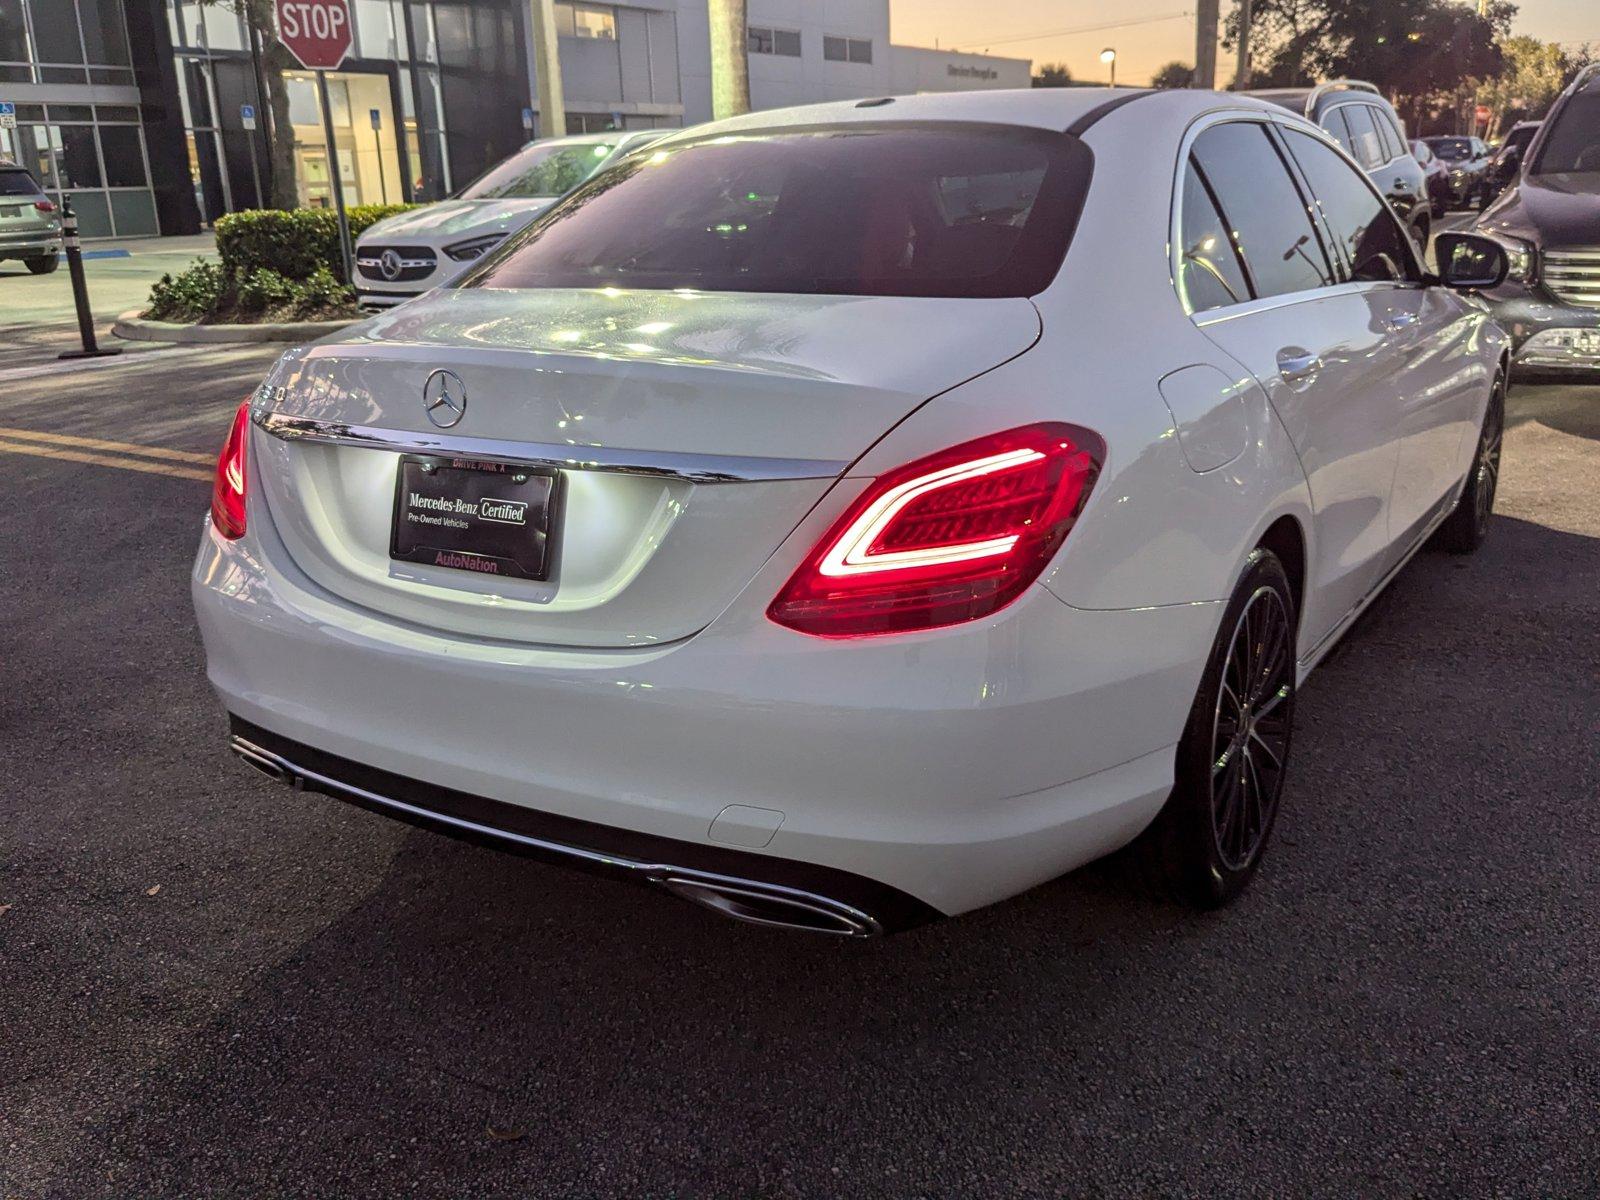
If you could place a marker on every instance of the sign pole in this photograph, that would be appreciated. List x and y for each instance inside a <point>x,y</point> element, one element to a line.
<point>377,149</point>
<point>338,183</point>
<point>248,118</point>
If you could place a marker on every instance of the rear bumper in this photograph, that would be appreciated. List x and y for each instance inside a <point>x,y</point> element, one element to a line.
<point>748,887</point>
<point>29,245</point>
<point>955,768</point>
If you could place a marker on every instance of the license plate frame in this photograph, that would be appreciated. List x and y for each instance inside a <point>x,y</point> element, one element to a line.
<point>440,518</point>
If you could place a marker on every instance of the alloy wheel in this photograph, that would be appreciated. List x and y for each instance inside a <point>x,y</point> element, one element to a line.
<point>1250,729</point>
<point>1489,456</point>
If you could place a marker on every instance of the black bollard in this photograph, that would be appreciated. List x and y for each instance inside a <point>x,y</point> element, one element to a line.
<point>80,288</point>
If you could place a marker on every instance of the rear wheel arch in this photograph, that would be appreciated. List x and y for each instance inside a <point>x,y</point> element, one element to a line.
<point>1285,538</point>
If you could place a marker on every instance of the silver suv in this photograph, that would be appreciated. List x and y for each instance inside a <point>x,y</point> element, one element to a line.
<point>30,226</point>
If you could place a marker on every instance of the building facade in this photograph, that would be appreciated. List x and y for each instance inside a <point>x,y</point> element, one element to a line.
<point>151,115</point>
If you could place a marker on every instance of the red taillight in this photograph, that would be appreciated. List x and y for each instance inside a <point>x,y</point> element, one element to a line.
<point>227,491</point>
<point>949,538</point>
<point>45,206</point>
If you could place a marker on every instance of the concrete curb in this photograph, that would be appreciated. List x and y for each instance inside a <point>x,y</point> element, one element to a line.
<point>134,328</point>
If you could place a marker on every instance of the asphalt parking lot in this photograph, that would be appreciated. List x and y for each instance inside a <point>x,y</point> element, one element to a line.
<point>212,986</point>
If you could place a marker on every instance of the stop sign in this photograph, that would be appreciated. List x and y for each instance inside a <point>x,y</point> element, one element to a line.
<point>317,32</point>
<point>1483,113</point>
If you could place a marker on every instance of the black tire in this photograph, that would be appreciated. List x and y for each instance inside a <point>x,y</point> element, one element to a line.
<point>42,265</point>
<point>1465,529</point>
<point>1206,844</point>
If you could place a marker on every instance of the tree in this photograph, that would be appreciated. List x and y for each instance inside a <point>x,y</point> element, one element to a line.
<point>275,60</point>
<point>1413,50</point>
<point>1053,75</point>
<point>1533,76</point>
<point>1173,75</point>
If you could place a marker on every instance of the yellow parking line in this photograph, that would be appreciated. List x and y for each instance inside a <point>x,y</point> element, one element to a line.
<point>88,443</point>
<point>104,460</point>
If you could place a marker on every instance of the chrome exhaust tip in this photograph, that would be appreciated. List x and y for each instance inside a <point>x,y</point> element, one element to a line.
<point>780,908</point>
<point>254,756</point>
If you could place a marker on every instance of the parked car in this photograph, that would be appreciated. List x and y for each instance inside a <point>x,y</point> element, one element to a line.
<point>404,255</point>
<point>850,515</point>
<point>1467,160</point>
<point>1507,160</point>
<point>1550,217</point>
<point>1440,194</point>
<point>1370,130</point>
<point>30,226</point>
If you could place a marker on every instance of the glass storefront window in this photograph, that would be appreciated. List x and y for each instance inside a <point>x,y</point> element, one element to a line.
<point>586,21</point>
<point>13,33</point>
<point>104,38</point>
<point>55,31</point>
<point>124,156</point>
<point>77,164</point>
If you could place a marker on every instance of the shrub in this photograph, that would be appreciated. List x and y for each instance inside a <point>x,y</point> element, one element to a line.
<point>294,242</point>
<point>191,294</point>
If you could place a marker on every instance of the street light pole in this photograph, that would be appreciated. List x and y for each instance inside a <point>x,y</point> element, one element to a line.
<point>1109,57</point>
<point>1205,44</point>
<point>547,69</point>
<point>730,61</point>
<point>1241,79</point>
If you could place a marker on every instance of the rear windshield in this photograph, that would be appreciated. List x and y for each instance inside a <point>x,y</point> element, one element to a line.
<point>539,171</point>
<point>17,183</point>
<point>1573,144</point>
<point>1451,148</point>
<point>903,210</point>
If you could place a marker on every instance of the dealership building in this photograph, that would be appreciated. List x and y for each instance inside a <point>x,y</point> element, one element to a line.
<point>141,110</point>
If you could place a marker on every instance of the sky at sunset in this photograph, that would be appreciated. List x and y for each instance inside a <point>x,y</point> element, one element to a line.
<point>1148,32</point>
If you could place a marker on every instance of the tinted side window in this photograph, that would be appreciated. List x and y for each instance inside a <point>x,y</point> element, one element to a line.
<point>1210,274</point>
<point>1366,231</point>
<point>1364,143</point>
<point>1263,207</point>
<point>1393,146</point>
<point>1333,121</point>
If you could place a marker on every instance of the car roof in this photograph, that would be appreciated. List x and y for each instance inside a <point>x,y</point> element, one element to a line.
<point>1057,109</point>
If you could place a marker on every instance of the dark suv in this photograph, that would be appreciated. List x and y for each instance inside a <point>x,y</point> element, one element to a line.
<point>1467,160</point>
<point>1550,219</point>
<point>1507,159</point>
<point>1366,125</point>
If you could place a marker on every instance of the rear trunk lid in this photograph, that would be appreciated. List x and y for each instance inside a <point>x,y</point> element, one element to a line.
<point>692,432</point>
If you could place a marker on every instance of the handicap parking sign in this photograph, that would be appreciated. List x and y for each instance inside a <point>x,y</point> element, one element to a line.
<point>8,115</point>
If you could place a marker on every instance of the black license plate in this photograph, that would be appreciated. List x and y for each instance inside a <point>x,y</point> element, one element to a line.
<point>483,517</point>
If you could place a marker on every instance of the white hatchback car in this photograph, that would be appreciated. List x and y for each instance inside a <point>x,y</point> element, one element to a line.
<point>850,515</point>
<point>404,255</point>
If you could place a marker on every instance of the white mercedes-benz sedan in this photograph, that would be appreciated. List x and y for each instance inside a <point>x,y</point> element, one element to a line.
<point>852,515</point>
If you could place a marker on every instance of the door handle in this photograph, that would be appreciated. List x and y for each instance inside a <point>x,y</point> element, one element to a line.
<point>1297,365</point>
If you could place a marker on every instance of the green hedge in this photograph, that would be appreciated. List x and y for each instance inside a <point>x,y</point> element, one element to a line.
<point>292,243</point>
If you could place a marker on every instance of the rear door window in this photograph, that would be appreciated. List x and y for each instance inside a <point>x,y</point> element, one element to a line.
<point>1210,268</point>
<point>1365,147</point>
<point>891,210</point>
<point>1373,245</point>
<point>1264,208</point>
<point>1393,144</point>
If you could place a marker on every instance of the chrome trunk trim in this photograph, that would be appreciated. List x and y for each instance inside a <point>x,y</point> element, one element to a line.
<point>693,468</point>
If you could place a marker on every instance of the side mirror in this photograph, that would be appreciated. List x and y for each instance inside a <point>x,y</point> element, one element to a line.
<point>1470,262</point>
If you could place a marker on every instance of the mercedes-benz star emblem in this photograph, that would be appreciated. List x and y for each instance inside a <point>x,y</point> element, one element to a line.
<point>389,265</point>
<point>444,398</point>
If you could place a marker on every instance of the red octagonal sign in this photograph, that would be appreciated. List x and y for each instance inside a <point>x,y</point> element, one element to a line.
<point>317,32</point>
